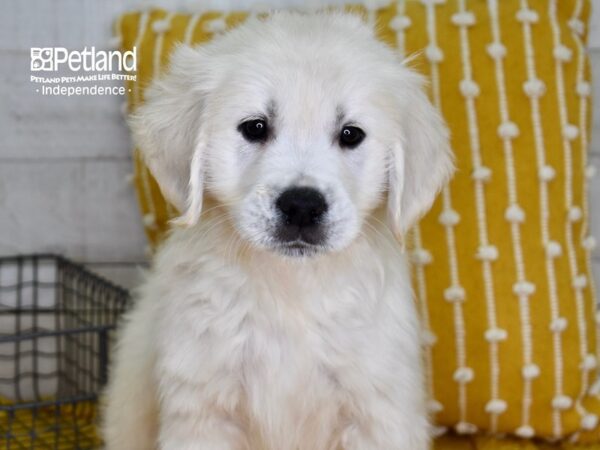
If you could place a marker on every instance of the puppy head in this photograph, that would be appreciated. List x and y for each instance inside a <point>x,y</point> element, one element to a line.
<point>298,126</point>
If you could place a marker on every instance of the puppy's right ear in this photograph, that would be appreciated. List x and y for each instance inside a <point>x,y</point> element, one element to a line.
<point>167,128</point>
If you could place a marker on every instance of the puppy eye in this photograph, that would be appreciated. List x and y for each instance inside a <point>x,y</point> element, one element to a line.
<point>254,130</point>
<point>351,136</point>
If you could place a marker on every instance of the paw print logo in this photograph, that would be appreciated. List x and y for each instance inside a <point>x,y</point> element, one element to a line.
<point>41,59</point>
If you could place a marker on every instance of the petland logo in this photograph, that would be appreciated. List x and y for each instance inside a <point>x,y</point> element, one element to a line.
<point>50,59</point>
<point>82,72</point>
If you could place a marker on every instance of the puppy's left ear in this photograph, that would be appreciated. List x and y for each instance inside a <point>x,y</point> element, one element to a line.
<point>421,159</point>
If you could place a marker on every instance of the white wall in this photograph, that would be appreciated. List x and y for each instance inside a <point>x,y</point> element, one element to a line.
<point>64,161</point>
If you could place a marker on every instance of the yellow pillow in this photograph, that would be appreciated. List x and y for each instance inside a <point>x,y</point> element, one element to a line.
<point>501,263</point>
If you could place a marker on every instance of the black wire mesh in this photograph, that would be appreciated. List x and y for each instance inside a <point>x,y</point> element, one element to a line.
<point>56,325</point>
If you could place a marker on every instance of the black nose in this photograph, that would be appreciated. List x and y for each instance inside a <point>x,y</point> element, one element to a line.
<point>302,206</point>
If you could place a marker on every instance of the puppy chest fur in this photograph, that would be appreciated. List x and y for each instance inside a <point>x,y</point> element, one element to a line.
<point>285,355</point>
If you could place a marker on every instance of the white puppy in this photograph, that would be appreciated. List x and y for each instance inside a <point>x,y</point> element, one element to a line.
<point>282,317</point>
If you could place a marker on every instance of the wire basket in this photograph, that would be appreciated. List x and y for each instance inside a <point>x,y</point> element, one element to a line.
<point>57,321</point>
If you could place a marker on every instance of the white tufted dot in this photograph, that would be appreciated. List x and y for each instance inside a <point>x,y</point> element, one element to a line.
<point>487,253</point>
<point>433,53</point>
<point>463,19</point>
<point>433,2</point>
<point>463,375</point>
<point>589,243</point>
<point>434,406</point>
<point>496,50</point>
<point>422,257</point>
<point>149,220</point>
<point>449,217</point>
<point>124,109</point>
<point>161,26</point>
<point>558,325</point>
<point>562,53</point>
<point>589,362</point>
<point>495,406</point>
<point>428,337</point>
<point>595,388</point>
<point>584,89</point>
<point>589,421</point>
<point>216,25</point>
<point>514,213</point>
<point>575,214</point>
<point>482,173</point>
<point>437,431</point>
<point>525,432</point>
<point>547,173</point>
<point>400,23</point>
<point>526,15</point>
<point>580,281</point>
<point>576,25</point>
<point>508,130</point>
<point>454,294</point>
<point>129,178</point>
<point>562,402</point>
<point>591,171</point>
<point>495,335</point>
<point>465,428</point>
<point>570,132</point>
<point>523,288</point>
<point>553,249</point>
<point>115,42</point>
<point>530,371</point>
<point>469,89</point>
<point>534,88</point>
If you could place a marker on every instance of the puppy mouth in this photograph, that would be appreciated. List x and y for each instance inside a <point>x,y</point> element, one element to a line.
<point>299,248</point>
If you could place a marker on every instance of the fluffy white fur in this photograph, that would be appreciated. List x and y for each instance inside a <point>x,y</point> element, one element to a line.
<point>234,342</point>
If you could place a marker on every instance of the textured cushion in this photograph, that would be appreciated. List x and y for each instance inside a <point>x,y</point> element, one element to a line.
<point>501,263</point>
